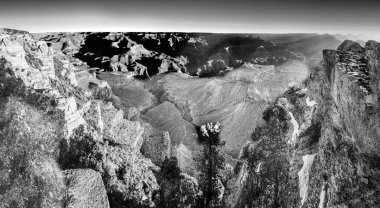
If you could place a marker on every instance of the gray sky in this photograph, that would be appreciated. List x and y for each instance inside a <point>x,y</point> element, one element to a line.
<point>240,16</point>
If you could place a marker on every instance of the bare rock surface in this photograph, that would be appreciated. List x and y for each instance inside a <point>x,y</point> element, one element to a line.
<point>85,189</point>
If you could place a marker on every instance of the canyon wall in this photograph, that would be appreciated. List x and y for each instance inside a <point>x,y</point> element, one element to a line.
<point>329,153</point>
<point>63,143</point>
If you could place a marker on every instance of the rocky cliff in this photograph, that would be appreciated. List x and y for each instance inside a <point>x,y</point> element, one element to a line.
<point>57,123</point>
<point>322,138</point>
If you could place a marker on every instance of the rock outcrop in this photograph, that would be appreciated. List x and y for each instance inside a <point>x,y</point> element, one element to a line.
<point>329,152</point>
<point>55,125</point>
<point>351,46</point>
<point>39,110</point>
<point>354,91</point>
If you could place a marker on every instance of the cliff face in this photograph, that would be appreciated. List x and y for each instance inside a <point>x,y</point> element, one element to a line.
<point>54,129</point>
<point>349,139</point>
<point>37,112</point>
<point>329,153</point>
<point>354,91</point>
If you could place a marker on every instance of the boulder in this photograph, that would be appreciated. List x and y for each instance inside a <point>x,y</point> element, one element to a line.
<point>156,147</point>
<point>119,130</point>
<point>85,189</point>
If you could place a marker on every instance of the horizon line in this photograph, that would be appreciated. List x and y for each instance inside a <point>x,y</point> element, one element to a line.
<point>202,32</point>
<point>205,32</point>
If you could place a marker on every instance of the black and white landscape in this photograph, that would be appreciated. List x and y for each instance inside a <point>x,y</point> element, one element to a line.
<point>190,104</point>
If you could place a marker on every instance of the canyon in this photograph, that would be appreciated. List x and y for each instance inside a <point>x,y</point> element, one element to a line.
<point>88,119</point>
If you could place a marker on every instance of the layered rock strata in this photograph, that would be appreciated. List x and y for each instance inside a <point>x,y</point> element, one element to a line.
<point>54,126</point>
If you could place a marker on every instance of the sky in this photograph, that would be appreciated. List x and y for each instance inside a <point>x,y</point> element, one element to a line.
<point>225,16</point>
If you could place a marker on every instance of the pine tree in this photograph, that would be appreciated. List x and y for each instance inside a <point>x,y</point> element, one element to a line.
<point>177,188</point>
<point>170,176</point>
<point>210,162</point>
<point>267,162</point>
